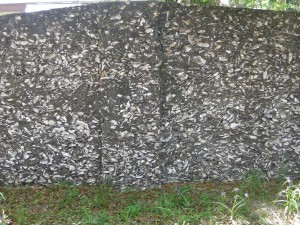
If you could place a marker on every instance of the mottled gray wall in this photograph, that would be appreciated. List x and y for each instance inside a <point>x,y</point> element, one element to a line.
<point>145,93</point>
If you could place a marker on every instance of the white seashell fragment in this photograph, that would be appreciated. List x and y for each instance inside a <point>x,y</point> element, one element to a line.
<point>51,122</point>
<point>21,42</point>
<point>149,30</point>
<point>97,59</point>
<point>190,90</point>
<point>233,125</point>
<point>114,122</point>
<point>75,56</point>
<point>3,94</point>
<point>203,45</point>
<point>190,39</point>
<point>116,17</point>
<point>131,56</point>
<point>199,60</point>
<point>72,168</point>
<point>290,57</point>
<point>223,59</point>
<point>80,113</point>
<point>51,56</point>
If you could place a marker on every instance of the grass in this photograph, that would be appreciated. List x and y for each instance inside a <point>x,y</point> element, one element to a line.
<point>253,200</point>
<point>290,199</point>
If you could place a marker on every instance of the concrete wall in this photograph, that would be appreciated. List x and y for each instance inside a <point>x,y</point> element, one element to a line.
<point>146,93</point>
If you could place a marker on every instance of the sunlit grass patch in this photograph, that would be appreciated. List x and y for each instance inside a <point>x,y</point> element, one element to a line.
<point>253,200</point>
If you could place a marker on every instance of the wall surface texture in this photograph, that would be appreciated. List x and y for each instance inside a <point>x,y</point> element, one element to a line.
<point>145,93</point>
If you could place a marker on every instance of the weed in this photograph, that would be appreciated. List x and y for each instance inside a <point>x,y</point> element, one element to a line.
<point>70,196</point>
<point>131,211</point>
<point>236,206</point>
<point>182,197</point>
<point>165,204</point>
<point>3,217</point>
<point>206,200</point>
<point>179,198</point>
<point>99,199</point>
<point>90,219</point>
<point>290,199</point>
<point>2,198</point>
<point>21,215</point>
<point>253,183</point>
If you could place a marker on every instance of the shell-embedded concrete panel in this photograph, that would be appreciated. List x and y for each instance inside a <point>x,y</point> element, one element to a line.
<point>231,91</point>
<point>144,93</point>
